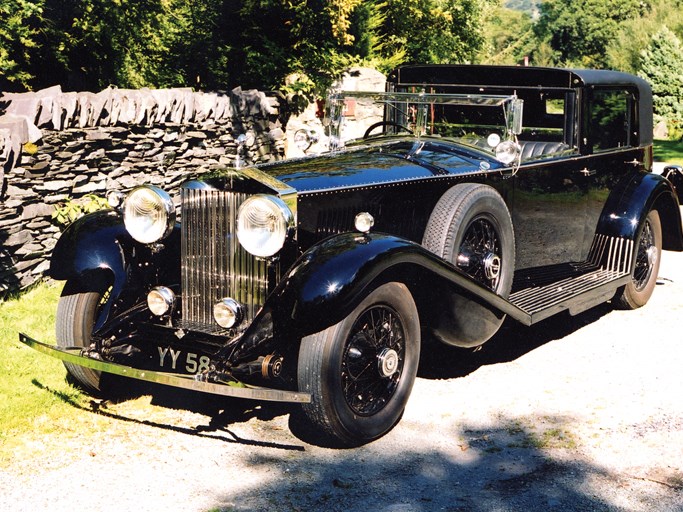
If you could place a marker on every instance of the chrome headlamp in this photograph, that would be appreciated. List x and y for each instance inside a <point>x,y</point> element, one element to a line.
<point>263,223</point>
<point>507,151</point>
<point>149,214</point>
<point>160,300</point>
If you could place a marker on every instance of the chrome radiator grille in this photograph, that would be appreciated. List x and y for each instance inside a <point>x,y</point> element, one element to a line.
<point>213,263</point>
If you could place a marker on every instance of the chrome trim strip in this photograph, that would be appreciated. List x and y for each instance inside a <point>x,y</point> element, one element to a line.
<point>72,355</point>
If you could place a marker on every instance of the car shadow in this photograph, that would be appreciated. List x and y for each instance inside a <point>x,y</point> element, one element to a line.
<point>440,361</point>
<point>223,412</point>
<point>504,466</point>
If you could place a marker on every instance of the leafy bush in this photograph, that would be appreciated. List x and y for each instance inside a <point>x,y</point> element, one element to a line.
<point>67,212</point>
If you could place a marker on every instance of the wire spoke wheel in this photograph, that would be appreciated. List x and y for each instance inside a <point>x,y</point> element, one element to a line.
<point>373,360</point>
<point>646,257</point>
<point>647,254</point>
<point>479,252</point>
<point>360,371</point>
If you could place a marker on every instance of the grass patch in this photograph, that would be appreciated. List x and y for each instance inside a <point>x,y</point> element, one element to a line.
<point>44,417</point>
<point>36,401</point>
<point>668,151</point>
<point>534,434</point>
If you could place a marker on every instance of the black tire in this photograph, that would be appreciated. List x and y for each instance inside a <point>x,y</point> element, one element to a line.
<point>76,313</point>
<point>360,372</point>
<point>648,253</point>
<point>471,227</point>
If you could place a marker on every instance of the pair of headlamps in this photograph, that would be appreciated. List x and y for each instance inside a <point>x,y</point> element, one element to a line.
<point>227,312</point>
<point>263,221</point>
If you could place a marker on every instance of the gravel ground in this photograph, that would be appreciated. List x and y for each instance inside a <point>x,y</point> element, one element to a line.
<point>574,414</point>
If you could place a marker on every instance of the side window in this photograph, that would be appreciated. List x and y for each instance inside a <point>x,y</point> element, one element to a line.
<point>610,119</point>
<point>549,116</point>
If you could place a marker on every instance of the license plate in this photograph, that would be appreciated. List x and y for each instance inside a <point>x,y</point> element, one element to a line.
<point>178,361</point>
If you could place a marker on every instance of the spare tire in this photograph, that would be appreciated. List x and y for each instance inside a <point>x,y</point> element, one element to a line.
<point>471,228</point>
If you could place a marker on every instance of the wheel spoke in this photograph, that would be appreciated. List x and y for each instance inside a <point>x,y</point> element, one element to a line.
<point>480,244</point>
<point>365,388</point>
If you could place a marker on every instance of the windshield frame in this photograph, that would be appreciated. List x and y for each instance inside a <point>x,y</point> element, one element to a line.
<point>417,105</point>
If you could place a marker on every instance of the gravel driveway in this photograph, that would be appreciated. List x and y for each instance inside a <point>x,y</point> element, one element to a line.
<point>573,414</point>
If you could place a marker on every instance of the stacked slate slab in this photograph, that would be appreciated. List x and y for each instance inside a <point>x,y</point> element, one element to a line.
<point>59,146</point>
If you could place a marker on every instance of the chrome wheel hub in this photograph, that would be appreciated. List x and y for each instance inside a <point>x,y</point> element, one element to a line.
<point>387,362</point>
<point>652,255</point>
<point>492,266</point>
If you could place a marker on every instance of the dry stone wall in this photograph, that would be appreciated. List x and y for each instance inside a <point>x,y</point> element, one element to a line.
<point>57,147</point>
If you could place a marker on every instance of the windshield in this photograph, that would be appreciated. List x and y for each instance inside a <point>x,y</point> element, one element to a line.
<point>486,122</point>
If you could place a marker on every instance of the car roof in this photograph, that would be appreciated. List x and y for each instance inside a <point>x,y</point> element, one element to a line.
<point>522,76</point>
<point>528,77</point>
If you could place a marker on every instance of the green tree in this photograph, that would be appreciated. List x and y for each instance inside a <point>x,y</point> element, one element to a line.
<point>662,67</point>
<point>580,30</point>
<point>624,51</point>
<point>301,45</point>
<point>434,31</point>
<point>89,44</point>
<point>510,36</point>
<point>19,24</point>
<point>307,40</point>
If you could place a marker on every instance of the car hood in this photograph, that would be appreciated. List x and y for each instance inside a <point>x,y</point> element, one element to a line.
<point>375,164</point>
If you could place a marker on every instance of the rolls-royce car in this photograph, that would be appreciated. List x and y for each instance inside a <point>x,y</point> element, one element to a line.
<point>458,197</point>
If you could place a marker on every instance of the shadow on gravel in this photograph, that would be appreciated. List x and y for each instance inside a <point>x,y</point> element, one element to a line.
<point>439,361</point>
<point>502,468</point>
<point>222,411</point>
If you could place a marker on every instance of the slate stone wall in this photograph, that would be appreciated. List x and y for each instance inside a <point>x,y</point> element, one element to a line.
<point>57,147</point>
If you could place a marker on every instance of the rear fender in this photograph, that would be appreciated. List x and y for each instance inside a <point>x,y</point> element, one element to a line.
<point>629,204</point>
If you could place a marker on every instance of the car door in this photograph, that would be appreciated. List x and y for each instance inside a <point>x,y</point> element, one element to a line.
<point>550,210</point>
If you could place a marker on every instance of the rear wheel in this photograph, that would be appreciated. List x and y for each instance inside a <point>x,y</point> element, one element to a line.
<point>76,314</point>
<point>644,275</point>
<point>360,372</point>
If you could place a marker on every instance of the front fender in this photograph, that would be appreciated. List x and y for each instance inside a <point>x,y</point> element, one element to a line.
<point>95,242</point>
<point>96,252</point>
<point>629,204</point>
<point>334,276</point>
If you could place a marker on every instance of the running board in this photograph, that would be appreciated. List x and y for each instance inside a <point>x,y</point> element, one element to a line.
<point>576,287</point>
<point>232,389</point>
<point>575,294</point>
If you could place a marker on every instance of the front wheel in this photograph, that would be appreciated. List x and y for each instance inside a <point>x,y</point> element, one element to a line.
<point>360,372</point>
<point>76,314</point>
<point>648,251</point>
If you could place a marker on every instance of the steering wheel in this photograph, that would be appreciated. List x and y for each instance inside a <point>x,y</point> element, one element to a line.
<point>384,123</point>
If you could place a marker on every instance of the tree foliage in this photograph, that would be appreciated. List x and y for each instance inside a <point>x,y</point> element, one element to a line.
<point>19,24</point>
<point>301,45</point>
<point>662,67</point>
<point>624,51</point>
<point>510,36</point>
<point>434,31</point>
<point>578,31</point>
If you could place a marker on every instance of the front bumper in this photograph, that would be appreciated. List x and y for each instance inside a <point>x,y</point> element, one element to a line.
<point>233,388</point>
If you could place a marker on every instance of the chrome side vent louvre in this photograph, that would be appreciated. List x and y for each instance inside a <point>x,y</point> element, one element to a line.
<point>612,253</point>
<point>213,263</point>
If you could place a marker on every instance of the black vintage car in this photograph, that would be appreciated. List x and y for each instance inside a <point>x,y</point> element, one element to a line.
<point>463,195</point>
